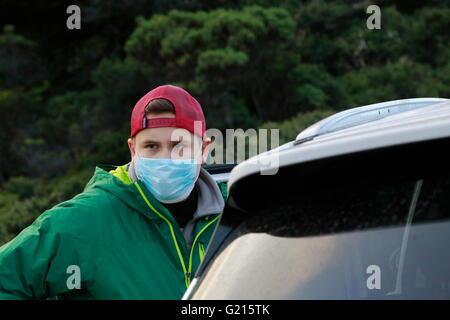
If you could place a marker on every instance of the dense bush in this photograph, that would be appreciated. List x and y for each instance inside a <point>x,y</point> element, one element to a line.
<point>66,96</point>
<point>23,199</point>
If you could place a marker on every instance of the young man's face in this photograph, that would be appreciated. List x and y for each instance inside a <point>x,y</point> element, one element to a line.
<point>168,143</point>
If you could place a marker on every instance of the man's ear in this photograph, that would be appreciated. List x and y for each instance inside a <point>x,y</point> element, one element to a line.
<point>132,146</point>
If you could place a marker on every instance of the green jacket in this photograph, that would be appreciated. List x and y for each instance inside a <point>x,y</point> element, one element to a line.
<point>125,244</point>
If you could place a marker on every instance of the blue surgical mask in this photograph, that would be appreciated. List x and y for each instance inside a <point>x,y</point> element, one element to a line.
<point>169,180</point>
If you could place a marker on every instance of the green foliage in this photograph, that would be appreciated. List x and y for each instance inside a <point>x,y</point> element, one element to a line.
<point>392,81</point>
<point>220,51</point>
<point>66,96</point>
<point>120,84</point>
<point>289,129</point>
<point>428,38</point>
<point>17,59</point>
<point>20,186</point>
<point>112,145</point>
<point>15,106</point>
<point>220,59</point>
<point>23,199</point>
<point>317,88</point>
<point>70,118</point>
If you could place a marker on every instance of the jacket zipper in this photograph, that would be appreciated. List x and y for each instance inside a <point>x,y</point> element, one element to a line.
<point>180,256</point>
<point>193,246</point>
<point>201,251</point>
<point>187,273</point>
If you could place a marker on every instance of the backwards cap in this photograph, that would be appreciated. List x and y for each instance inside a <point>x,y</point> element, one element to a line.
<point>187,111</point>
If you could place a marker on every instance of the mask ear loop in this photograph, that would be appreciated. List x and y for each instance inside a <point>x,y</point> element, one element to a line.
<point>135,151</point>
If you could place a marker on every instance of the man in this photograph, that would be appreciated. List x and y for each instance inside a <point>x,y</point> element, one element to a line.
<point>137,231</point>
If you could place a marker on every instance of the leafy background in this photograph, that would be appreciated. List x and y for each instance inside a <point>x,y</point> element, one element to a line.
<point>66,96</point>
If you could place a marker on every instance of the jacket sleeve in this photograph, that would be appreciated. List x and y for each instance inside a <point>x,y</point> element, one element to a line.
<point>35,264</point>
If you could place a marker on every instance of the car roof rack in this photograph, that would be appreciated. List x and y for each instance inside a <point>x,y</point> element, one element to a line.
<point>360,115</point>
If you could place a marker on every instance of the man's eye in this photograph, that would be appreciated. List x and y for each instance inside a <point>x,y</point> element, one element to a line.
<point>151,146</point>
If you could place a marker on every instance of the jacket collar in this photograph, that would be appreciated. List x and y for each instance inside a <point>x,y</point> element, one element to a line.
<point>127,192</point>
<point>210,199</point>
<point>121,182</point>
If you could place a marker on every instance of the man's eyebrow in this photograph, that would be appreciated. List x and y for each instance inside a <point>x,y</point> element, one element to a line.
<point>159,142</point>
<point>150,141</point>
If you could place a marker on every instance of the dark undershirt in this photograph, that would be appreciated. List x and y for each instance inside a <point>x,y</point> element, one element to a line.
<point>184,211</point>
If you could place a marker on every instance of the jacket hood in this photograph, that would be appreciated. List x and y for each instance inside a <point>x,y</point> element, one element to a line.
<point>112,179</point>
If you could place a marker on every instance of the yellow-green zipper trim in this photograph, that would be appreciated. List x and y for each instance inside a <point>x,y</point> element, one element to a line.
<point>201,251</point>
<point>186,276</point>
<point>193,245</point>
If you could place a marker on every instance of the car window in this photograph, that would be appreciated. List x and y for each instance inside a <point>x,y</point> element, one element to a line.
<point>371,237</point>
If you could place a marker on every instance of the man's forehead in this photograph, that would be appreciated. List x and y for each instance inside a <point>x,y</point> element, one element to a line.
<point>164,134</point>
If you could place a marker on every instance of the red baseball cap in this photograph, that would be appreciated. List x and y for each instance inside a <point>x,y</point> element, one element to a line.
<point>187,111</point>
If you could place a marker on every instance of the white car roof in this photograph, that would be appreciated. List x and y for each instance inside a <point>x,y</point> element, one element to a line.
<point>425,122</point>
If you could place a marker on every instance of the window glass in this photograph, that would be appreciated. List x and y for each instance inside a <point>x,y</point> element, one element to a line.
<point>379,237</point>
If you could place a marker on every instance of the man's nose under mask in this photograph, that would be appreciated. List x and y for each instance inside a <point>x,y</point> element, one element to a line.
<point>169,180</point>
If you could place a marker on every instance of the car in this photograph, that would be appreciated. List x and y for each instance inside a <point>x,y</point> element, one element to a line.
<point>220,172</point>
<point>358,209</point>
